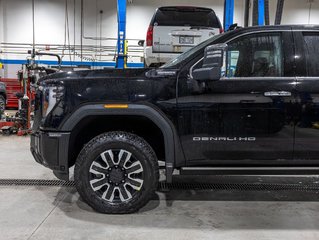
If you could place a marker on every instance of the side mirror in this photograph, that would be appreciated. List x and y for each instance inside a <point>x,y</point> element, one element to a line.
<point>141,43</point>
<point>212,63</point>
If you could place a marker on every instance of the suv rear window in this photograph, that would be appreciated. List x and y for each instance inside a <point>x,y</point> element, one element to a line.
<point>186,16</point>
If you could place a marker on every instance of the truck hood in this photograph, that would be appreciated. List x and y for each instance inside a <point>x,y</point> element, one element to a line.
<point>114,85</point>
<point>94,74</point>
<point>151,86</point>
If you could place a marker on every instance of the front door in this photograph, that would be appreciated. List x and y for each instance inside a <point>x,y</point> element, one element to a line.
<point>246,115</point>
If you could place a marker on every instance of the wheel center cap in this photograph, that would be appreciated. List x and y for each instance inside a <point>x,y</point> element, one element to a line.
<point>116,175</point>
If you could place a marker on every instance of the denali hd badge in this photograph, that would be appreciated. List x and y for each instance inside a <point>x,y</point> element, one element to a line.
<point>230,139</point>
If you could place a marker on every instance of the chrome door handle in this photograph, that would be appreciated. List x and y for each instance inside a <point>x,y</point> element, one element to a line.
<point>277,94</point>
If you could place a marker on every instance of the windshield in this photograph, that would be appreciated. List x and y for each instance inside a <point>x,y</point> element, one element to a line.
<point>185,55</point>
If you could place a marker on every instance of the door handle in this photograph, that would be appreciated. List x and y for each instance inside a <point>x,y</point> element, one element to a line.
<point>277,94</point>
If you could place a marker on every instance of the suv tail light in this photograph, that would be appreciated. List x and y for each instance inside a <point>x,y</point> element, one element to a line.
<point>221,30</point>
<point>149,36</point>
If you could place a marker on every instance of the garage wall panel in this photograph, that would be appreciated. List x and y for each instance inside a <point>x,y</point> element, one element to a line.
<point>16,20</point>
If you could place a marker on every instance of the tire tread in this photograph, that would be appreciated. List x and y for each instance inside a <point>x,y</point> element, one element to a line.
<point>126,137</point>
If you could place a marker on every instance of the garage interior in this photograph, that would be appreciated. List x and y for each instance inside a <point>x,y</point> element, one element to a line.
<point>88,34</point>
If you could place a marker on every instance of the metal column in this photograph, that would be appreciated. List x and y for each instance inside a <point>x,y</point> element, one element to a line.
<point>255,13</point>
<point>280,7</point>
<point>261,12</point>
<point>228,14</point>
<point>121,21</point>
<point>266,12</point>
<point>247,2</point>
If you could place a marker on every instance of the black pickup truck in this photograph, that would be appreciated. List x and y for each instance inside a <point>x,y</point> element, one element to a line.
<point>3,97</point>
<point>243,102</point>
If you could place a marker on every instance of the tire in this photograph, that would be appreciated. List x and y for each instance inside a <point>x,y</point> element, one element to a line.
<point>2,104</point>
<point>116,172</point>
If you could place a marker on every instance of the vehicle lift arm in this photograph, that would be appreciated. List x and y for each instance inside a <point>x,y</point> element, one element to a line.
<point>260,13</point>
<point>228,14</point>
<point>121,36</point>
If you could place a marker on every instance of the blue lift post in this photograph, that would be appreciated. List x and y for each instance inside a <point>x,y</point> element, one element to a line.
<point>121,21</point>
<point>261,12</point>
<point>228,14</point>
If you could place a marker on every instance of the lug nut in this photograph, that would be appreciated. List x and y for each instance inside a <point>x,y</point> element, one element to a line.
<point>116,184</point>
<point>123,181</point>
<point>115,166</point>
<point>110,169</point>
<point>122,169</point>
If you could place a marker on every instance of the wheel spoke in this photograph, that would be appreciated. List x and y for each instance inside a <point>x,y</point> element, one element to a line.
<point>98,183</point>
<point>136,167</point>
<point>135,183</point>
<point>97,168</point>
<point>124,157</point>
<point>108,158</point>
<point>108,195</point>
<point>124,193</point>
<point>116,175</point>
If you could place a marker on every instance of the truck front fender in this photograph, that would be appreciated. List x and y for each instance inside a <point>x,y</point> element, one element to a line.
<point>171,140</point>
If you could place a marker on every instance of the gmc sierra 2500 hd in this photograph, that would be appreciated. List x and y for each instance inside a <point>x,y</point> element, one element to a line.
<point>243,102</point>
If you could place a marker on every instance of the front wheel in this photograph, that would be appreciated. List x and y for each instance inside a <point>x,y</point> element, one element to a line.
<point>116,172</point>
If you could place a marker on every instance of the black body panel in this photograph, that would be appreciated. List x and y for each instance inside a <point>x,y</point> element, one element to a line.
<point>236,121</point>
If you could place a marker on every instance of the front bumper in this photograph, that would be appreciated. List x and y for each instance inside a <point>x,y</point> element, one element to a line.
<point>51,150</point>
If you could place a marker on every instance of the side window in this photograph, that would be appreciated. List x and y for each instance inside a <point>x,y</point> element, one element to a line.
<point>311,42</point>
<point>256,55</point>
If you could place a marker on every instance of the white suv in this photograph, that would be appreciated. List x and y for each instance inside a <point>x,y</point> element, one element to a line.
<point>174,30</point>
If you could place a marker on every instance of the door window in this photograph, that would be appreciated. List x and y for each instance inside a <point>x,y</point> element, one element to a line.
<point>257,55</point>
<point>311,48</point>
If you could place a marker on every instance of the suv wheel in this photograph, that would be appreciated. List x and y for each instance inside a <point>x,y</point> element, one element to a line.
<point>2,104</point>
<point>116,172</point>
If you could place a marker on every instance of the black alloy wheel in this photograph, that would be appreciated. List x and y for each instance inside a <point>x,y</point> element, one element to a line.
<point>116,172</point>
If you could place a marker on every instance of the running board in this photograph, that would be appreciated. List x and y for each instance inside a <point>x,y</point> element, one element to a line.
<point>249,171</point>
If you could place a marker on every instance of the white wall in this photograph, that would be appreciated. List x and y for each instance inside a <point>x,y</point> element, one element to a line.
<point>50,17</point>
<point>50,22</point>
<point>297,12</point>
<point>16,18</point>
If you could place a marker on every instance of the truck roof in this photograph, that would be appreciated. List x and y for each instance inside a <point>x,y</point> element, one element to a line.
<point>280,27</point>
<point>272,28</point>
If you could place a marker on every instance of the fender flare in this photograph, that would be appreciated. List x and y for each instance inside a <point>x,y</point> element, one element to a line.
<point>155,115</point>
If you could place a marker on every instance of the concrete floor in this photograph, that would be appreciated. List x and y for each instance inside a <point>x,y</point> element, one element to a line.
<point>33,212</point>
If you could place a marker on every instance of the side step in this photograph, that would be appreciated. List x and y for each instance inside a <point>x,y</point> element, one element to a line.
<point>249,171</point>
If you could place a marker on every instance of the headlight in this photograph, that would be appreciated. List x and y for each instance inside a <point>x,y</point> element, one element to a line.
<point>50,96</point>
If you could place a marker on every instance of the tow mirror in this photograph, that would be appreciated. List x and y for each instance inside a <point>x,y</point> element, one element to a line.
<point>211,69</point>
